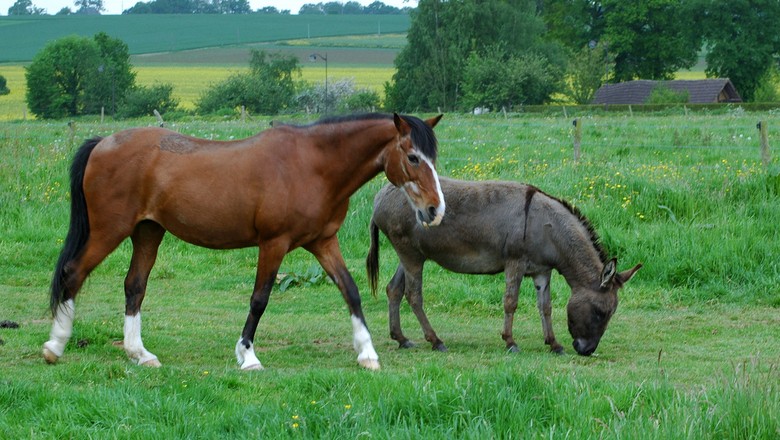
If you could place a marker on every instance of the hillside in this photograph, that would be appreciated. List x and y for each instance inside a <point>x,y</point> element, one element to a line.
<point>22,37</point>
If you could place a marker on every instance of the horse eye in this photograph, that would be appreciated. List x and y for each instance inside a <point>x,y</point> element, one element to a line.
<point>413,159</point>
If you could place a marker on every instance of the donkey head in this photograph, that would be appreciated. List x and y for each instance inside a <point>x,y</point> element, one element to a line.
<point>591,307</point>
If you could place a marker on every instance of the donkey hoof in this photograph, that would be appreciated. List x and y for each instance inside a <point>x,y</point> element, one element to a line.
<point>407,344</point>
<point>439,346</point>
<point>49,356</point>
<point>513,349</point>
<point>369,364</point>
<point>557,349</point>
<point>152,363</point>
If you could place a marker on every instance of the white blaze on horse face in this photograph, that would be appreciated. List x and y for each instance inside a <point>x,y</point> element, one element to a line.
<point>61,330</point>
<point>246,357</point>
<point>367,357</point>
<point>134,347</point>
<point>412,191</point>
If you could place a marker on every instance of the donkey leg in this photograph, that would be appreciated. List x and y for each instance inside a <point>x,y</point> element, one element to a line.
<point>329,255</point>
<point>271,255</point>
<point>414,297</point>
<point>395,293</point>
<point>146,240</point>
<point>76,271</point>
<point>514,272</point>
<point>542,283</point>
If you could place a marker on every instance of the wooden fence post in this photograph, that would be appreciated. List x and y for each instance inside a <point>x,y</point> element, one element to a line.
<point>762,130</point>
<point>577,139</point>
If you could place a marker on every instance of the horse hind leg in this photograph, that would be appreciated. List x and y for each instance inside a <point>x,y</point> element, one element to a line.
<point>146,240</point>
<point>74,272</point>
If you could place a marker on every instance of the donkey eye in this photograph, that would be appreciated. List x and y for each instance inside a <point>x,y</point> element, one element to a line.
<point>413,159</point>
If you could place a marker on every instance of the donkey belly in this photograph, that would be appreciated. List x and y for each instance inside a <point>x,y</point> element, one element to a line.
<point>472,261</point>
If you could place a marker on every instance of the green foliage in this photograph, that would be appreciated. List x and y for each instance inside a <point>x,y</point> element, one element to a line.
<point>268,89</point>
<point>142,101</point>
<point>341,96</point>
<point>664,95</point>
<point>57,76</point>
<point>588,70</point>
<point>25,7</point>
<point>742,41</point>
<point>4,86</point>
<point>444,35</point>
<point>77,75</point>
<point>650,39</point>
<point>575,23</point>
<point>767,90</point>
<point>497,80</point>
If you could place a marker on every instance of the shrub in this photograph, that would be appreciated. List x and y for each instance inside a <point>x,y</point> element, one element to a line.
<point>3,86</point>
<point>142,101</point>
<point>664,95</point>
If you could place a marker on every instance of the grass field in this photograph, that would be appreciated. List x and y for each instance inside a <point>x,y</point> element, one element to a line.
<point>691,353</point>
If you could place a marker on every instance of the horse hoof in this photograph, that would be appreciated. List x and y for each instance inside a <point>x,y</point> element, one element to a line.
<point>369,364</point>
<point>152,363</point>
<point>407,344</point>
<point>513,349</point>
<point>49,356</point>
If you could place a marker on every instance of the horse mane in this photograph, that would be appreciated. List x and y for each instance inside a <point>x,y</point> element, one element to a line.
<point>594,236</point>
<point>422,135</point>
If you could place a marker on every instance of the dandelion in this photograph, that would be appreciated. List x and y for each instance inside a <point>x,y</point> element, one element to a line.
<point>313,402</point>
<point>295,417</point>
<point>347,406</point>
<point>295,425</point>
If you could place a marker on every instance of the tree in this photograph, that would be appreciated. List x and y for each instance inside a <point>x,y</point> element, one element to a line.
<point>85,5</point>
<point>268,88</point>
<point>588,70</point>
<point>650,39</point>
<point>742,39</point>
<point>78,75</point>
<point>575,23</point>
<point>443,35</point>
<point>57,75</point>
<point>25,7</point>
<point>234,7</point>
<point>4,90</point>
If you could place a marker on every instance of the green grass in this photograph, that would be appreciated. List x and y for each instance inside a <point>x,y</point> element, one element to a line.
<point>691,353</point>
<point>23,37</point>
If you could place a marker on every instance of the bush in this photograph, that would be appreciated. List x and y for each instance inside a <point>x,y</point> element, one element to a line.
<point>142,101</point>
<point>341,96</point>
<point>3,86</point>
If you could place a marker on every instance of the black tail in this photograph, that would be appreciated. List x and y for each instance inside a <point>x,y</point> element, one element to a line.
<point>78,232</point>
<point>372,260</point>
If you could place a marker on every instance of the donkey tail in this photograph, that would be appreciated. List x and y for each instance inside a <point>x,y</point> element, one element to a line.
<point>372,260</point>
<point>78,231</point>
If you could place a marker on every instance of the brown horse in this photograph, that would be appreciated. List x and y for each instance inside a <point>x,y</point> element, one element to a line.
<point>494,227</point>
<point>284,188</point>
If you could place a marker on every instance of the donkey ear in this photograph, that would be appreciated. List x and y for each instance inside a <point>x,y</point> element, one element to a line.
<point>401,125</point>
<point>433,121</point>
<point>608,273</point>
<point>628,274</point>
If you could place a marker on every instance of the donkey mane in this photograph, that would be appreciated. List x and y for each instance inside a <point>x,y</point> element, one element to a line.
<point>594,237</point>
<point>422,135</point>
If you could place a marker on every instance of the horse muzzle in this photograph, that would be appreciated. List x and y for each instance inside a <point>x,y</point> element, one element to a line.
<point>431,216</point>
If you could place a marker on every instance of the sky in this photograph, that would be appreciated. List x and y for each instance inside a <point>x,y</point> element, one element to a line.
<point>117,6</point>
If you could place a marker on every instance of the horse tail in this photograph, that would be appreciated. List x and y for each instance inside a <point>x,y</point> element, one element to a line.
<point>372,260</point>
<point>78,231</point>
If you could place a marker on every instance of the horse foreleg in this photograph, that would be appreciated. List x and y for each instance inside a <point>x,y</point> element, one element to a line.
<point>414,297</point>
<point>395,293</point>
<point>146,240</point>
<point>542,283</point>
<point>270,259</point>
<point>514,276</point>
<point>329,255</point>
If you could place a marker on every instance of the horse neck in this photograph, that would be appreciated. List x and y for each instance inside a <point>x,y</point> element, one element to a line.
<point>356,152</point>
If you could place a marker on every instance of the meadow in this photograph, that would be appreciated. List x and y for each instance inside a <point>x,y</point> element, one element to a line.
<point>692,351</point>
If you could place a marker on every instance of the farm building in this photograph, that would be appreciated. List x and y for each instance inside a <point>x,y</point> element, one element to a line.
<point>700,91</point>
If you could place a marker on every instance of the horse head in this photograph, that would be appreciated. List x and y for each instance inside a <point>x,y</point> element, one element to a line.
<point>591,307</point>
<point>410,166</point>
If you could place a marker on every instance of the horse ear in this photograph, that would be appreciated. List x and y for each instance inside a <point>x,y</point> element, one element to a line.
<point>433,121</point>
<point>608,273</point>
<point>401,125</point>
<point>628,274</point>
